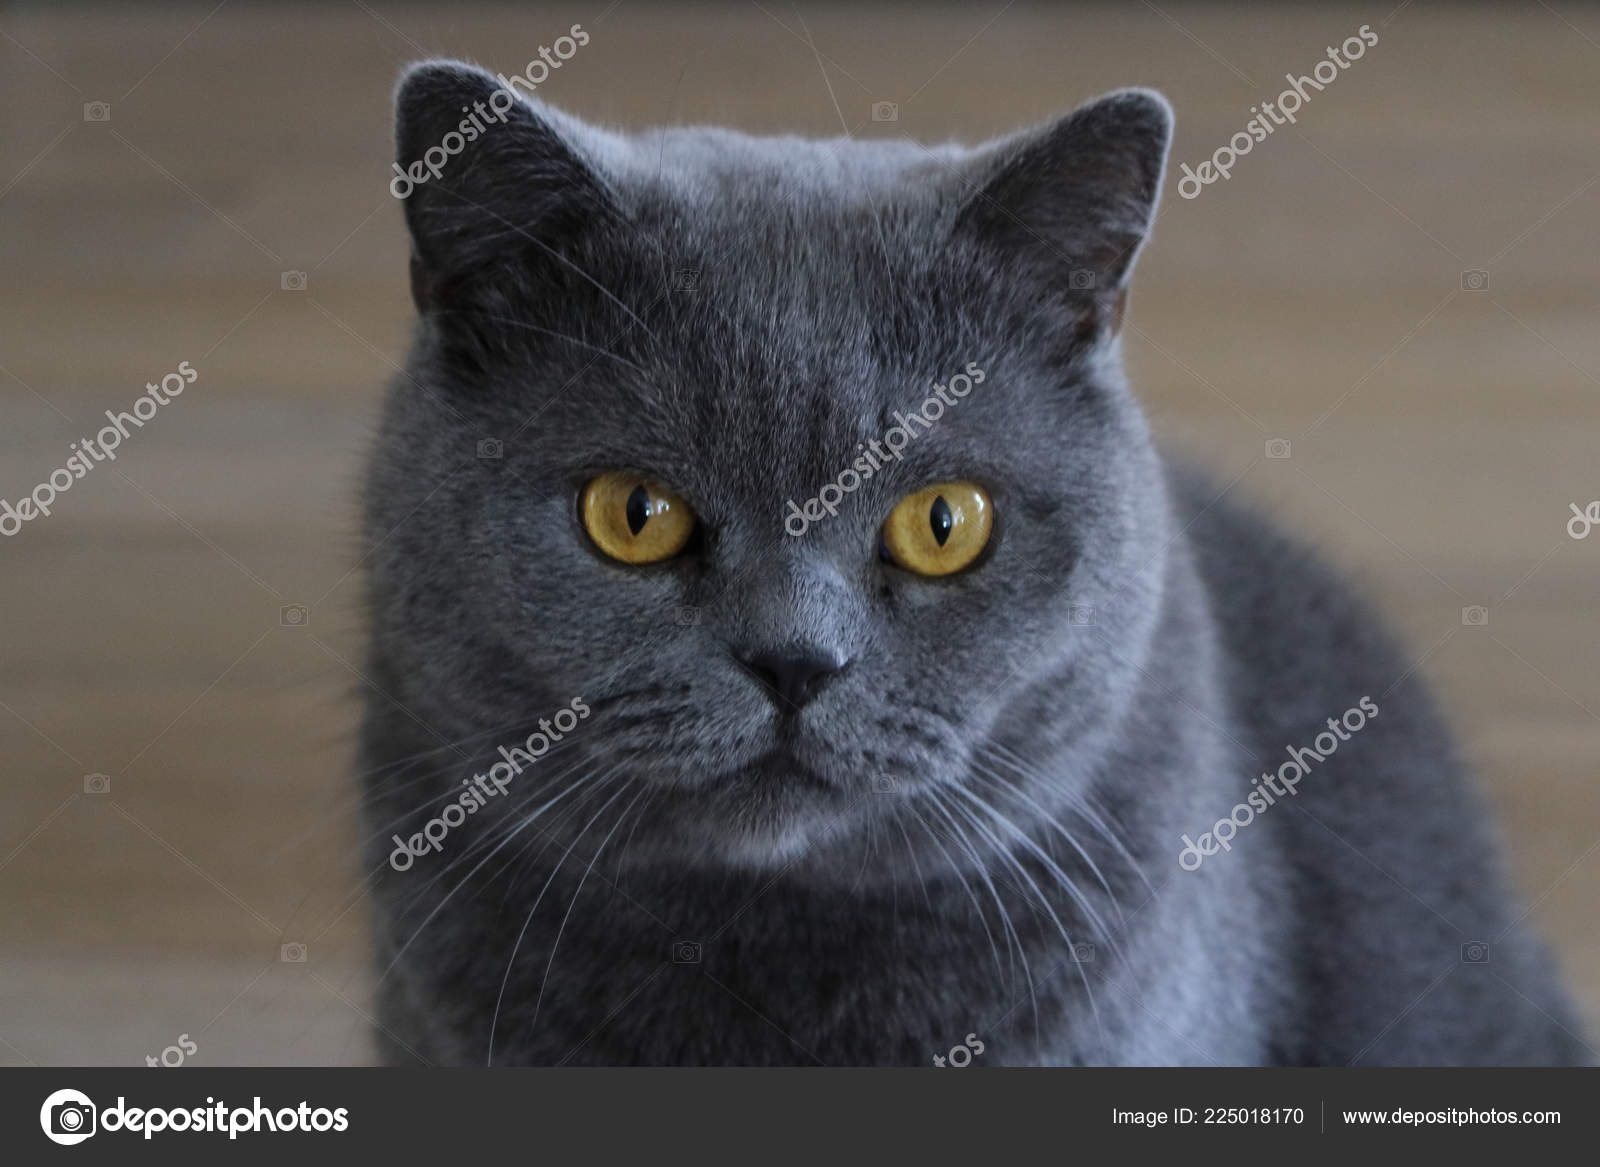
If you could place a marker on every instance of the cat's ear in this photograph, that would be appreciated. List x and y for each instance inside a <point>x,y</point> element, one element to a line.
<point>489,178</point>
<point>1072,202</point>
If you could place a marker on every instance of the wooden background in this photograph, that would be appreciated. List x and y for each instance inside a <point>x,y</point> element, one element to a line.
<point>1438,432</point>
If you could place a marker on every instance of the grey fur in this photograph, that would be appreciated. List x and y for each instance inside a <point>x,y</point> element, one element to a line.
<point>836,919</point>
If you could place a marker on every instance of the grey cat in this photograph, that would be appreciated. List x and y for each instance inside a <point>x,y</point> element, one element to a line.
<point>658,773</point>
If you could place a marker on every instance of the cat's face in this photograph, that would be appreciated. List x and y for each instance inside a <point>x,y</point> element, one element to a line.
<point>732,325</point>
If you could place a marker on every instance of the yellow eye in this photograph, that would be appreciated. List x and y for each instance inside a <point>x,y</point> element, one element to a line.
<point>940,529</point>
<point>635,520</point>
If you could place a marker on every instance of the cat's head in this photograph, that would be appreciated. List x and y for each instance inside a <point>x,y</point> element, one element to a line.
<point>665,440</point>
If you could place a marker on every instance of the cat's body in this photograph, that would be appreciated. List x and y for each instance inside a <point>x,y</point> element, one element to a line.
<point>975,826</point>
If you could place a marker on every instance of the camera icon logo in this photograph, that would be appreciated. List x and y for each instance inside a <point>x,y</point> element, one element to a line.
<point>686,952</point>
<point>1475,616</point>
<point>1278,448</point>
<point>293,281</point>
<point>885,111</point>
<point>883,784</point>
<point>97,783</point>
<point>68,1117</point>
<point>491,449</point>
<point>292,953</point>
<point>686,279</point>
<point>294,615</point>
<point>1083,953</point>
<point>1081,615</point>
<point>685,616</point>
<point>1475,280</point>
<point>1475,952</point>
<point>97,111</point>
<point>1081,279</point>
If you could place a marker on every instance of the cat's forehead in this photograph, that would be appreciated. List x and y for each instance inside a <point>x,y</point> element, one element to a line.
<point>748,284</point>
<point>809,207</point>
<point>783,321</point>
<point>702,158</point>
<point>759,381</point>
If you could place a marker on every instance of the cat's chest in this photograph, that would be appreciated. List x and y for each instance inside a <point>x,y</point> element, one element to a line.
<point>763,980</point>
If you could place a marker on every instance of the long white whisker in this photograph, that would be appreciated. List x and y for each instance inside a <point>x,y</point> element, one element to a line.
<point>1072,889</point>
<point>971,895</point>
<point>1005,916</point>
<point>1049,820</point>
<point>498,829</point>
<point>545,836</point>
<point>1080,805</point>
<point>439,907</point>
<point>911,853</point>
<point>515,948</point>
<point>627,843</point>
<point>555,945</point>
<point>1066,937</point>
<point>538,782</point>
<point>372,798</point>
<point>867,851</point>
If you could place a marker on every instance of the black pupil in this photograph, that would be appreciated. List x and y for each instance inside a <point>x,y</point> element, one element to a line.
<point>941,520</point>
<point>639,509</point>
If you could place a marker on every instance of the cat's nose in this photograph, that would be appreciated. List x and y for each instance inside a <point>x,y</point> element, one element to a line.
<point>793,677</point>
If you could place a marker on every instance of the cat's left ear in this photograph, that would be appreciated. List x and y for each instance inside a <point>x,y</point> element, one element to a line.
<point>1072,202</point>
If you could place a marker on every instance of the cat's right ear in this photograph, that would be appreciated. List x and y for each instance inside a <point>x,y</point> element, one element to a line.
<point>489,178</point>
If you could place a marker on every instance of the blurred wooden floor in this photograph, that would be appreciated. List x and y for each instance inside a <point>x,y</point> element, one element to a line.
<point>1438,433</point>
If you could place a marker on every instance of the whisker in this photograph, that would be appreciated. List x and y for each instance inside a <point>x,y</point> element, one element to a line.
<point>555,945</point>
<point>911,854</point>
<point>866,854</point>
<point>374,797</point>
<point>1082,901</point>
<point>498,829</point>
<point>454,790</point>
<point>979,770</point>
<point>439,907</point>
<point>1005,854</point>
<point>977,906</point>
<point>546,836</point>
<point>628,842</point>
<point>515,948</point>
<point>1080,805</point>
<point>1050,865</point>
<point>1005,916</point>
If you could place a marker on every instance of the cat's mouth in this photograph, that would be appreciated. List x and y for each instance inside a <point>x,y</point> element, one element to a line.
<point>755,813</point>
<point>780,767</point>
